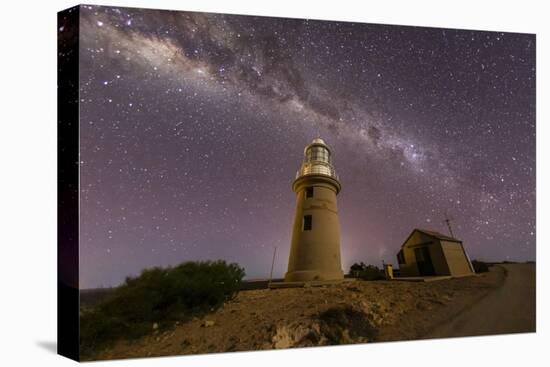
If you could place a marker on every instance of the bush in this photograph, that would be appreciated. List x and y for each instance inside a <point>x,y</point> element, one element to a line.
<point>357,268</point>
<point>366,272</point>
<point>160,295</point>
<point>372,272</point>
<point>480,266</point>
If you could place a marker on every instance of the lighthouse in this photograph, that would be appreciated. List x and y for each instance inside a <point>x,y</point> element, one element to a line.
<point>315,243</point>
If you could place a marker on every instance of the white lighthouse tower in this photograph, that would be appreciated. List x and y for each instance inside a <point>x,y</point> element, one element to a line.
<point>315,246</point>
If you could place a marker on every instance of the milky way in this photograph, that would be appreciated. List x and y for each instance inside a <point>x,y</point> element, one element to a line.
<point>193,126</point>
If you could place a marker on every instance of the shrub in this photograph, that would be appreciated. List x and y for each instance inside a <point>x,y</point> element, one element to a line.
<point>480,266</point>
<point>372,272</point>
<point>357,268</point>
<point>366,272</point>
<point>159,295</point>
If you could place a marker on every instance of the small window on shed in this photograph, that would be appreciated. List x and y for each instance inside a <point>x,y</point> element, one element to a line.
<point>308,222</point>
<point>309,192</point>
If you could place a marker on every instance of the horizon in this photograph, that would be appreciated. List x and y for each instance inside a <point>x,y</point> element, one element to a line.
<point>246,279</point>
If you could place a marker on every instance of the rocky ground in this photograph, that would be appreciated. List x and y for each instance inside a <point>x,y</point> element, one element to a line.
<point>352,312</point>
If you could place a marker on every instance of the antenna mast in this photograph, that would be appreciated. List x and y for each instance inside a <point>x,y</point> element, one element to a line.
<point>447,221</point>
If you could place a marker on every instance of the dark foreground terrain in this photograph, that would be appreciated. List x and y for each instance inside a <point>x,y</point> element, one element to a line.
<point>509,309</point>
<point>500,301</point>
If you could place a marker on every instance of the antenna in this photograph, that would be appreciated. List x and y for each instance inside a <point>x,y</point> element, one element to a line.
<point>447,221</point>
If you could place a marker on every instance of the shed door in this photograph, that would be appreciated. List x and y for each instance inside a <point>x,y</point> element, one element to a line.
<point>424,261</point>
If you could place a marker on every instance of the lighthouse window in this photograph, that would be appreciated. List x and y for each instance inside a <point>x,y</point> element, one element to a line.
<point>318,154</point>
<point>309,192</point>
<point>307,222</point>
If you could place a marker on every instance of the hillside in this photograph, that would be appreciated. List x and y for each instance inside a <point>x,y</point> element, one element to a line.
<point>352,312</point>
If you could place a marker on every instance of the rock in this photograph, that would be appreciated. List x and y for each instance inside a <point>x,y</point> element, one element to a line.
<point>297,334</point>
<point>436,301</point>
<point>155,326</point>
<point>447,298</point>
<point>208,323</point>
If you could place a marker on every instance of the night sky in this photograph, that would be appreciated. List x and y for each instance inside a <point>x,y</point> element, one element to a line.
<point>193,127</point>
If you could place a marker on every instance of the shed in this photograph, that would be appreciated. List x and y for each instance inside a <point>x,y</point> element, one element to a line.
<point>426,253</point>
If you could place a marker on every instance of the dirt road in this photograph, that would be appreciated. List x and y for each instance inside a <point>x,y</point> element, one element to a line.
<point>507,309</point>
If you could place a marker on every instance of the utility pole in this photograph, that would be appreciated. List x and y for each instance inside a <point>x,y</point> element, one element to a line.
<point>272,263</point>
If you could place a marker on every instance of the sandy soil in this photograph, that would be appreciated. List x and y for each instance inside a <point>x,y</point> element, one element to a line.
<point>352,312</point>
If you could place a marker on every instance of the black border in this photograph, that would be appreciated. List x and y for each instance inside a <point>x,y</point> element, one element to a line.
<point>68,183</point>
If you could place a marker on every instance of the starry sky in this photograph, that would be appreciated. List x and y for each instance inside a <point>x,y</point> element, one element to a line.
<point>192,128</point>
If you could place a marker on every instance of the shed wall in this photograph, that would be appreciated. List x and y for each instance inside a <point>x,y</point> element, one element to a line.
<point>410,269</point>
<point>456,258</point>
<point>438,258</point>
